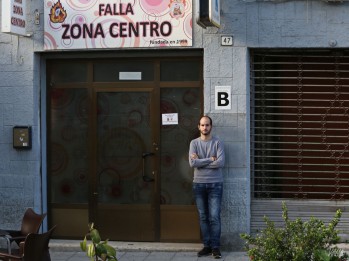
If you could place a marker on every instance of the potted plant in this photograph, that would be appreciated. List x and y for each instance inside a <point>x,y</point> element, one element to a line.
<point>297,240</point>
<point>97,250</point>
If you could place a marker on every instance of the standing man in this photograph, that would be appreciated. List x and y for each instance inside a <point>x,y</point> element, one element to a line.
<point>206,156</point>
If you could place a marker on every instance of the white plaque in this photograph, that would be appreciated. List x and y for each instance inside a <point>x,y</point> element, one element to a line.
<point>170,119</point>
<point>136,76</point>
<point>223,97</point>
<point>227,40</point>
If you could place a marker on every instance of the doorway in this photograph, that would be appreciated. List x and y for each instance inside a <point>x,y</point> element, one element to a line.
<point>112,157</point>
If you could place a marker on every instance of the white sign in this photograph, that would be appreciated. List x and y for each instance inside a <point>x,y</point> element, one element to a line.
<point>227,40</point>
<point>130,76</point>
<point>223,97</point>
<point>82,24</point>
<point>13,17</point>
<point>170,119</point>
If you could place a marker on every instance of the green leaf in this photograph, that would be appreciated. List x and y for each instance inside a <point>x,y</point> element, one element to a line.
<point>95,236</point>
<point>100,250</point>
<point>104,257</point>
<point>91,250</point>
<point>83,244</point>
<point>110,250</point>
<point>90,226</point>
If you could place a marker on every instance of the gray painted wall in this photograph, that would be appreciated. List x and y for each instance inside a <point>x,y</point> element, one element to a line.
<point>275,24</point>
<point>20,178</point>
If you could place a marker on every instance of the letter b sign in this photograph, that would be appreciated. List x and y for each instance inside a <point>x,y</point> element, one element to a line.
<point>223,97</point>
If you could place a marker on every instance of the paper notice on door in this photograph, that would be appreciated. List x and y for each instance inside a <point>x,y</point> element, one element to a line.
<point>170,119</point>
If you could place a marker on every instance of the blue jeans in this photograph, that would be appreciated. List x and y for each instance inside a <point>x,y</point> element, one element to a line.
<point>208,197</point>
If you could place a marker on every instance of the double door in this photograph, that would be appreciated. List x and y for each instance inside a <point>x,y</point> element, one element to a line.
<point>115,159</point>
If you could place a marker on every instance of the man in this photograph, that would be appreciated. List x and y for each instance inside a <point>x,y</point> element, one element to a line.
<point>206,156</point>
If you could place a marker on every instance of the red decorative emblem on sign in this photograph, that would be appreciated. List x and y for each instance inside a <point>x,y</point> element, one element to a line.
<point>57,13</point>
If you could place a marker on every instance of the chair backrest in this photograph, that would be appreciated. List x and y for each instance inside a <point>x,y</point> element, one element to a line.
<point>36,246</point>
<point>31,222</point>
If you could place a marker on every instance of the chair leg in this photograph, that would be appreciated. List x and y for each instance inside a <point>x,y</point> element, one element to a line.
<point>8,245</point>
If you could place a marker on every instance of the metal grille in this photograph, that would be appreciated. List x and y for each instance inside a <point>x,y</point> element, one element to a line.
<point>300,124</point>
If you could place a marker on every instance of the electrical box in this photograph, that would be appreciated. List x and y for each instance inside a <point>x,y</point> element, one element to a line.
<point>22,137</point>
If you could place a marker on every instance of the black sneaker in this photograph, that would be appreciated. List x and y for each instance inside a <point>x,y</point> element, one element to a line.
<point>205,251</point>
<point>216,253</point>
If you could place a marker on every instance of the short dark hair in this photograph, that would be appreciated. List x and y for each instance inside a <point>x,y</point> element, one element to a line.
<point>205,116</point>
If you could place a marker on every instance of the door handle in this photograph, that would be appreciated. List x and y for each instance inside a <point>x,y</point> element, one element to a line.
<point>145,177</point>
<point>146,154</point>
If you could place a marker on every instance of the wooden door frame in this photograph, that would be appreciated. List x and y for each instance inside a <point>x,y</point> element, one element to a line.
<point>173,55</point>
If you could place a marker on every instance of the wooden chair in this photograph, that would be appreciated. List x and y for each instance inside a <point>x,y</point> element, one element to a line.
<point>34,248</point>
<point>31,223</point>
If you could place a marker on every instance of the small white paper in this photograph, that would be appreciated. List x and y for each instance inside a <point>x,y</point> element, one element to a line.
<point>137,76</point>
<point>170,119</point>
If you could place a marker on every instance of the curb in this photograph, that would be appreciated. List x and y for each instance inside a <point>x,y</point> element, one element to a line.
<point>74,246</point>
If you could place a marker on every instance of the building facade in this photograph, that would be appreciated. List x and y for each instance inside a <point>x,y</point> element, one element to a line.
<point>110,126</point>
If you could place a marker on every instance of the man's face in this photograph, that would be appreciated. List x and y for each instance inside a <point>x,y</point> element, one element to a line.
<point>205,126</point>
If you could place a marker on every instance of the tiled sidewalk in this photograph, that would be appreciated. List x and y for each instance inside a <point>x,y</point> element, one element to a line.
<point>150,256</point>
<point>69,250</point>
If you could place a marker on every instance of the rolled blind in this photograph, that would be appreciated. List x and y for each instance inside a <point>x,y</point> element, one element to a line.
<point>300,124</point>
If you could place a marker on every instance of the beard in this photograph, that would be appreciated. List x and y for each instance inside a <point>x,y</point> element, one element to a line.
<point>205,133</point>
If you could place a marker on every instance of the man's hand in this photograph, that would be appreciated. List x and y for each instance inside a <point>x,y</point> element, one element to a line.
<point>213,158</point>
<point>194,156</point>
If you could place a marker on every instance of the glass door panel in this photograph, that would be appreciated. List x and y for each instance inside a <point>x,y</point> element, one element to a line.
<point>68,160</point>
<point>179,221</point>
<point>125,166</point>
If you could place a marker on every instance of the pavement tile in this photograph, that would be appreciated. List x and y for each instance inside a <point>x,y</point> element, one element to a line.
<point>58,256</point>
<point>150,256</point>
<point>160,256</point>
<point>78,257</point>
<point>235,256</point>
<point>134,256</point>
